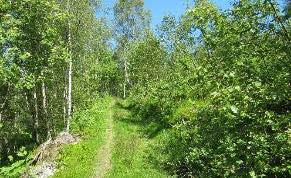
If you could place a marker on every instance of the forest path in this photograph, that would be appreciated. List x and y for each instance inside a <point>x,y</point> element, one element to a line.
<point>132,148</point>
<point>104,155</point>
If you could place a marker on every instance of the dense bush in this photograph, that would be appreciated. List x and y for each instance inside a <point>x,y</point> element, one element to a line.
<point>226,97</point>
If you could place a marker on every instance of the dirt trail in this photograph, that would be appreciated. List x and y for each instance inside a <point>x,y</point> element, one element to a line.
<point>105,152</point>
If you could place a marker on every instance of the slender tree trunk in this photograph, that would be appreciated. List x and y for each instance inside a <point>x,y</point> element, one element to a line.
<point>31,109</point>
<point>69,97</point>
<point>36,119</point>
<point>26,101</point>
<point>124,89</point>
<point>44,106</point>
<point>5,150</point>
<point>65,103</point>
<point>69,72</point>
<point>16,118</point>
<point>126,78</point>
<point>2,105</point>
<point>1,110</point>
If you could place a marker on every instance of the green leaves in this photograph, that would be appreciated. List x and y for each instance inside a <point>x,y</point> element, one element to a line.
<point>14,170</point>
<point>234,109</point>
<point>227,64</point>
<point>22,152</point>
<point>216,83</point>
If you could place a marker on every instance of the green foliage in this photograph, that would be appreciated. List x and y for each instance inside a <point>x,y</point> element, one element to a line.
<point>13,170</point>
<point>212,91</point>
<point>31,53</point>
<point>18,167</point>
<point>34,56</point>
<point>146,60</point>
<point>224,100</point>
<point>131,20</point>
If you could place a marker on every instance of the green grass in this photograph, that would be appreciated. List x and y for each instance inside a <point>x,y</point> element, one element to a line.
<point>130,150</point>
<point>79,160</point>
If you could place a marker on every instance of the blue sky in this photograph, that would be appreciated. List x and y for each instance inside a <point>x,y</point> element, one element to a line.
<point>159,8</point>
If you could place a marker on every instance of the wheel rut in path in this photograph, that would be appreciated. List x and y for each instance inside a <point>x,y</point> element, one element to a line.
<point>104,155</point>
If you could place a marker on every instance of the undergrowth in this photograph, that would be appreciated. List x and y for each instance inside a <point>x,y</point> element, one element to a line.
<point>79,160</point>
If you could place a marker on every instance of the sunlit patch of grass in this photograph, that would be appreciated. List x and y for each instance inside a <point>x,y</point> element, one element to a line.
<point>130,150</point>
<point>79,160</point>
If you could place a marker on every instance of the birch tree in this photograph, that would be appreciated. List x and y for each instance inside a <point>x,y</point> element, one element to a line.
<point>131,23</point>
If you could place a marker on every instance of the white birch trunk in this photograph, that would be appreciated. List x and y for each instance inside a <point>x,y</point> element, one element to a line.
<point>36,124</point>
<point>69,97</point>
<point>65,103</point>
<point>44,105</point>
<point>126,78</point>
